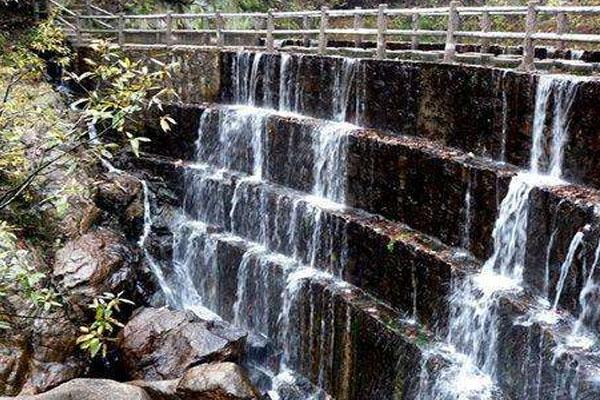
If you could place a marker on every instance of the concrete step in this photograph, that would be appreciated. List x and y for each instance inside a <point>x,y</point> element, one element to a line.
<point>387,259</point>
<point>486,111</point>
<point>406,267</point>
<point>441,192</point>
<point>331,332</point>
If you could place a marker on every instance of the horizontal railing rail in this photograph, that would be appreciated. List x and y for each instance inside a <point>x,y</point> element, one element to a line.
<point>317,27</point>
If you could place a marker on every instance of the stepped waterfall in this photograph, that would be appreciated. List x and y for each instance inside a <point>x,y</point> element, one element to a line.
<point>297,265</point>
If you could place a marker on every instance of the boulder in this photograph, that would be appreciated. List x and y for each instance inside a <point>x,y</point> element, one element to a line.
<point>99,261</point>
<point>159,390</point>
<point>116,191</point>
<point>41,358</point>
<point>45,375</point>
<point>221,381</point>
<point>55,358</point>
<point>92,389</point>
<point>159,344</point>
<point>82,216</point>
<point>14,360</point>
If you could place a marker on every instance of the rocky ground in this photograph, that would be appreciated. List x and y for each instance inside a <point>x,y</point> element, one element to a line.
<point>87,250</point>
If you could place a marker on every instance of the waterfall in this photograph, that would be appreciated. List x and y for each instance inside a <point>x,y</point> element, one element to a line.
<point>589,315</point>
<point>460,380</point>
<point>473,323</point>
<point>253,82</point>
<point>554,231</point>
<point>510,230</point>
<point>577,54</point>
<point>343,84</point>
<point>466,233</point>
<point>286,84</point>
<point>246,70</point>
<point>240,66</point>
<point>179,290</point>
<point>566,265</point>
<point>330,144</point>
<point>548,157</point>
<point>147,229</point>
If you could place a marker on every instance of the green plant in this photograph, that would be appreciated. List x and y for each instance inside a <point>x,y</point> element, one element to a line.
<point>19,279</point>
<point>124,88</point>
<point>96,337</point>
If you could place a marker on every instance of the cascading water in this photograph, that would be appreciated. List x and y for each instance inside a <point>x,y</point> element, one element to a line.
<point>566,265</point>
<point>231,151</point>
<point>179,289</point>
<point>147,229</point>
<point>238,154</point>
<point>342,87</point>
<point>330,149</point>
<point>473,328</point>
<point>466,232</point>
<point>548,157</point>
<point>582,334</point>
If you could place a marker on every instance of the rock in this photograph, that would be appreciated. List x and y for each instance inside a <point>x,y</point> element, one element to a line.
<point>43,376</point>
<point>92,389</point>
<point>159,390</point>
<point>54,355</point>
<point>82,216</point>
<point>161,344</point>
<point>100,261</point>
<point>222,381</point>
<point>117,191</point>
<point>121,196</point>
<point>14,360</point>
<point>42,359</point>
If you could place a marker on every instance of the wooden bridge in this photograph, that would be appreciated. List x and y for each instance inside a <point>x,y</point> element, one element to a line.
<point>468,33</point>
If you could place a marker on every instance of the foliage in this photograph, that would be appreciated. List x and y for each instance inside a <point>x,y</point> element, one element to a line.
<point>124,88</point>
<point>96,337</point>
<point>23,110</point>
<point>44,146</point>
<point>18,278</point>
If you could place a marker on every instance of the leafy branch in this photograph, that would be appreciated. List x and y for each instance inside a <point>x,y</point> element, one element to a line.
<point>96,337</point>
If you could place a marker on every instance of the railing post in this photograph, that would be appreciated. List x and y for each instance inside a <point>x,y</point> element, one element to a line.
<point>453,21</point>
<point>169,30</point>
<point>322,29</point>
<point>416,25</point>
<point>528,63</point>
<point>78,33</point>
<point>257,27</point>
<point>562,26</point>
<point>306,26</point>
<point>219,25</point>
<point>121,27</point>
<point>358,25</point>
<point>270,29</point>
<point>381,31</point>
<point>486,27</point>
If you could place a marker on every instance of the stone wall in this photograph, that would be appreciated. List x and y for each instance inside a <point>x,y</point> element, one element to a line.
<point>433,136</point>
<point>485,111</point>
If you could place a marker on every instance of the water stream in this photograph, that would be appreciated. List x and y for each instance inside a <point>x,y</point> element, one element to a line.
<point>473,325</point>
<point>236,159</point>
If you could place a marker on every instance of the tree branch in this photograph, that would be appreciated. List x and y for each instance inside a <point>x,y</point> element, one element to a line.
<point>12,194</point>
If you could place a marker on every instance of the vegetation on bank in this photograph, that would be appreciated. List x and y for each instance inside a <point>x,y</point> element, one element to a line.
<point>50,147</point>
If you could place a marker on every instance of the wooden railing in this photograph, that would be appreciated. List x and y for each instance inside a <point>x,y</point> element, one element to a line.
<point>321,25</point>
